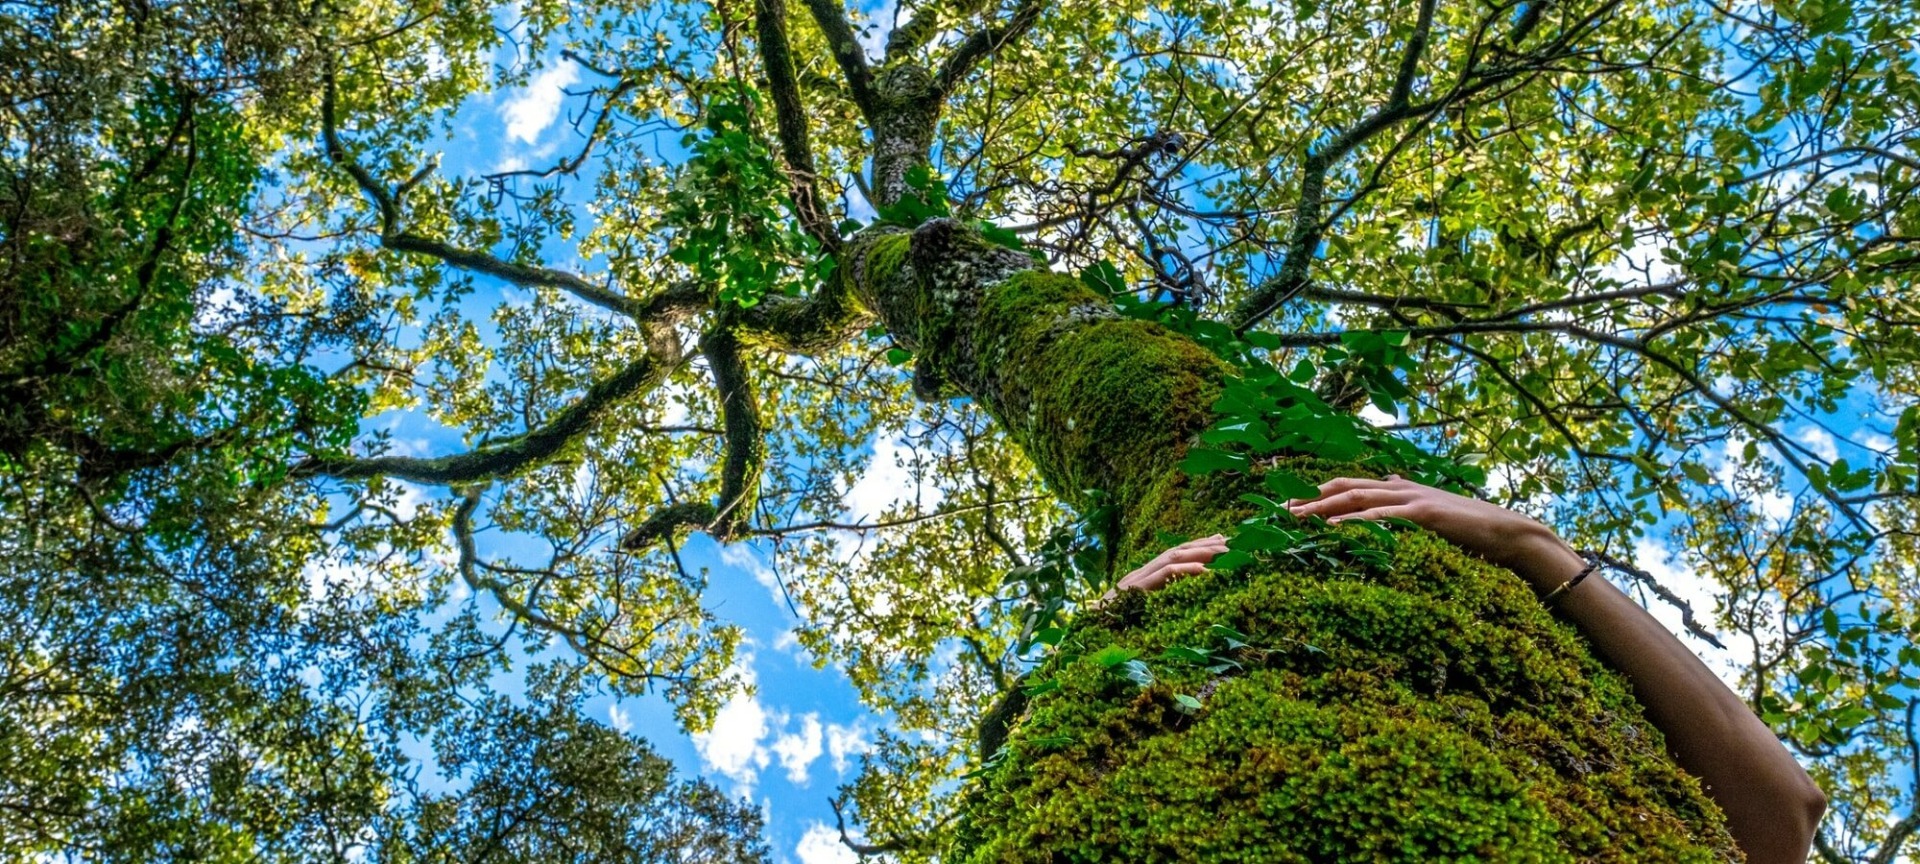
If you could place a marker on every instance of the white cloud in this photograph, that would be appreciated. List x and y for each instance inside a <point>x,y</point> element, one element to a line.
<point>821,845</point>
<point>844,743</point>
<point>797,751</point>
<point>1819,441</point>
<point>885,482</point>
<point>1376,416</point>
<point>530,113</point>
<point>747,737</point>
<point>733,746</point>
<point>1670,571</point>
<point>621,720</point>
<point>742,557</point>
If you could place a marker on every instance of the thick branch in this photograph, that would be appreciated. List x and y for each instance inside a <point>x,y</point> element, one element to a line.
<point>984,43</point>
<point>832,19</point>
<point>741,463</point>
<point>746,450</point>
<point>790,120</point>
<point>506,457</point>
<point>812,324</point>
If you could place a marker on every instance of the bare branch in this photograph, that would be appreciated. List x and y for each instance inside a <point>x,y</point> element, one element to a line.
<point>1687,618</point>
<point>519,274</point>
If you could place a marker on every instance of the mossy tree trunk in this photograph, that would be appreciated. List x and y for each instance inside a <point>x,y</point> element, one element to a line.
<point>1426,710</point>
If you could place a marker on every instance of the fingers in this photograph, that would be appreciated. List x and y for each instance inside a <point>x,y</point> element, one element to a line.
<point>1352,501</point>
<point>1403,511</point>
<point>1156,579</point>
<point>1185,559</point>
<point>1184,552</point>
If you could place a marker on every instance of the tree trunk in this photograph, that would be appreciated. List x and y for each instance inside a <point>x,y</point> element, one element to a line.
<point>1426,710</point>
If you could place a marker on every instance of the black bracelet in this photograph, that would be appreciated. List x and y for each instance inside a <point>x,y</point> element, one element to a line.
<point>1593,563</point>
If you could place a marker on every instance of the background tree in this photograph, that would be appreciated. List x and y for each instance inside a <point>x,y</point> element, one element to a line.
<point>1650,262</point>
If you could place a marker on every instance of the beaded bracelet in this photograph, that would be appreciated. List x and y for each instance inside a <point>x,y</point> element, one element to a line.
<point>1552,597</point>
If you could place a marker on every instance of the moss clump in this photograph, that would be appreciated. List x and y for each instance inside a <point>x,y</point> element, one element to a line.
<point>1428,711</point>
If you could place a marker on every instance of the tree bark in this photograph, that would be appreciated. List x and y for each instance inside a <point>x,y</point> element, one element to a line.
<point>1428,709</point>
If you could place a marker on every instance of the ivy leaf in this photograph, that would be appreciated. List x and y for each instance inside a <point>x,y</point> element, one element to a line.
<point>1289,486</point>
<point>1111,656</point>
<point>1201,460</point>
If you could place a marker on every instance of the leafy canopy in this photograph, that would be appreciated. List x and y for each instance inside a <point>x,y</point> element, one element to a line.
<point>1645,264</point>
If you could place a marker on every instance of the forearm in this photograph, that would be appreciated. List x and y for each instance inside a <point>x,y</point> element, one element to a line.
<point>1772,806</point>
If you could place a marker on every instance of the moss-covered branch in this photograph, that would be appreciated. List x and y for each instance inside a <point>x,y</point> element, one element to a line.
<point>1417,706</point>
<point>832,19</point>
<point>1096,401</point>
<point>741,463</point>
<point>533,447</point>
<point>790,120</point>
<point>816,323</point>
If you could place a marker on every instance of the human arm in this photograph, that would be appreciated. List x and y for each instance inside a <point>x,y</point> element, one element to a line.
<point>1772,806</point>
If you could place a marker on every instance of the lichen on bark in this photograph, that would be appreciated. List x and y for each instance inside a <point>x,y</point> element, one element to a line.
<point>1429,709</point>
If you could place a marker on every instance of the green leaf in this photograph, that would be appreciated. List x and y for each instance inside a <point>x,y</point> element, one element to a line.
<point>1186,703</point>
<point>1201,460</point>
<point>1196,656</point>
<point>1111,656</point>
<point>1289,486</point>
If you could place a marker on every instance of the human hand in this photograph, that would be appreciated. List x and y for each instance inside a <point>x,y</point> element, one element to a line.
<point>1493,532</point>
<point>1185,559</point>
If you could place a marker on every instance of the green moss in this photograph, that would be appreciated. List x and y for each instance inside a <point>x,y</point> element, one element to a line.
<point>1430,711</point>
<point>1098,402</point>
<point>884,254</point>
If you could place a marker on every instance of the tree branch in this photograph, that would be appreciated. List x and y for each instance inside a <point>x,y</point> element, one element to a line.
<point>746,448</point>
<point>521,275</point>
<point>832,20</point>
<point>790,120</point>
<point>1666,594</point>
<point>492,461</point>
<point>984,43</point>
<point>391,237</point>
<point>1307,226</point>
<point>742,460</point>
